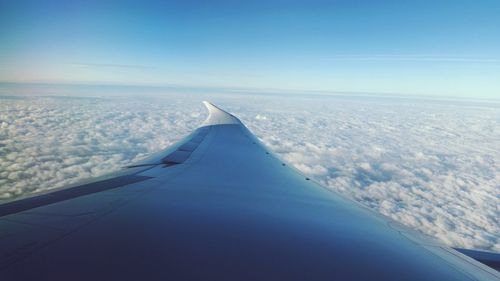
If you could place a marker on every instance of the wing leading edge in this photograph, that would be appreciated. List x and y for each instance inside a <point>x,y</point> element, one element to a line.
<point>218,206</point>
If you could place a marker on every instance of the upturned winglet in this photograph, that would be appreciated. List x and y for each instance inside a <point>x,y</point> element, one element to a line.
<point>217,116</point>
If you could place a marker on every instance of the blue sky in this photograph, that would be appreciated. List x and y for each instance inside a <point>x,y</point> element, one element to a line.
<point>436,48</point>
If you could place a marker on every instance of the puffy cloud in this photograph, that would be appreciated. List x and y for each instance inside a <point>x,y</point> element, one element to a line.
<point>52,142</point>
<point>260,117</point>
<point>431,165</point>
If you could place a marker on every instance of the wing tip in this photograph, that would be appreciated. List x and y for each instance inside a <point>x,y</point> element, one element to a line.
<point>217,116</point>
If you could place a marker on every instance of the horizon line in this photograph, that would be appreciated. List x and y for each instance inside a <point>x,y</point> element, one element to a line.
<point>247,90</point>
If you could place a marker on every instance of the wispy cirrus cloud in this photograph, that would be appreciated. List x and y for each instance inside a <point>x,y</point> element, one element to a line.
<point>111,65</point>
<point>413,58</point>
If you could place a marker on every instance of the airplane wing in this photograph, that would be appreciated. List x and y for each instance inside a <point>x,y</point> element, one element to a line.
<point>216,206</point>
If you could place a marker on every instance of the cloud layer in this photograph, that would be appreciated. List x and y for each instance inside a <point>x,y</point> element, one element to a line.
<point>52,142</point>
<point>431,165</point>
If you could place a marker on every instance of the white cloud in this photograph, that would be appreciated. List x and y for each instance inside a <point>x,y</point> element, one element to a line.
<point>260,117</point>
<point>431,165</point>
<point>52,142</point>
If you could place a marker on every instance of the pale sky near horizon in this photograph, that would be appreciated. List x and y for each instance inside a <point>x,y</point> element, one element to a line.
<point>441,48</point>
